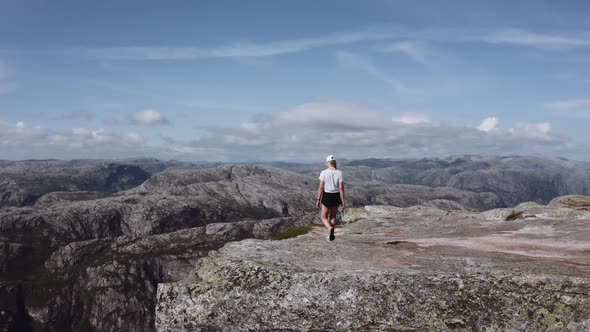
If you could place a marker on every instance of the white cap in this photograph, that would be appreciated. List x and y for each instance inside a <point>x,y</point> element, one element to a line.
<point>330,158</point>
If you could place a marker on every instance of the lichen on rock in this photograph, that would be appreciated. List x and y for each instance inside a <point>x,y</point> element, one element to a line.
<point>416,268</point>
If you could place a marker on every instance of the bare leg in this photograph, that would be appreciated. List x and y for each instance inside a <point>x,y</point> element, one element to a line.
<point>333,212</point>
<point>325,217</point>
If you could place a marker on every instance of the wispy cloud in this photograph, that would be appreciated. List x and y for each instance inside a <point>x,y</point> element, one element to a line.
<point>358,62</point>
<point>569,105</point>
<point>5,72</point>
<point>565,75</point>
<point>241,49</point>
<point>413,49</point>
<point>551,41</point>
<point>206,106</point>
<point>404,38</point>
<point>81,115</point>
<point>147,117</point>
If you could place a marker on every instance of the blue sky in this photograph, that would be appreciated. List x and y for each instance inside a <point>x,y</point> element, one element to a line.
<point>278,80</point>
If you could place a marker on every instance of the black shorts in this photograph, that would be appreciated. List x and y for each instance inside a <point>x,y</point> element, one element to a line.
<point>331,199</point>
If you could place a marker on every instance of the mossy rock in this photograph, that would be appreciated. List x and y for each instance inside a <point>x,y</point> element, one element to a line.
<point>525,205</point>
<point>294,232</point>
<point>515,215</point>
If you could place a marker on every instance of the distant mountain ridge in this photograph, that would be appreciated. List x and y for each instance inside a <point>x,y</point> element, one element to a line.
<point>23,182</point>
<point>514,179</point>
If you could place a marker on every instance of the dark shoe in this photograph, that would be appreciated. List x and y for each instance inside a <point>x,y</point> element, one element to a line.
<point>332,237</point>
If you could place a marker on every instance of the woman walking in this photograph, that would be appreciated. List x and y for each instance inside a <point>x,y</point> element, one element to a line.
<point>331,194</point>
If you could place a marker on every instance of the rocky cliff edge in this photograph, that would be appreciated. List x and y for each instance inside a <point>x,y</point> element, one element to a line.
<point>420,268</point>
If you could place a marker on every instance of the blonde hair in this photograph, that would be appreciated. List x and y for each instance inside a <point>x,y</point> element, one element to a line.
<point>333,164</point>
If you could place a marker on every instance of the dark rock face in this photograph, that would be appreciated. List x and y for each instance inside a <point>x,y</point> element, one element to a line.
<point>16,318</point>
<point>92,263</point>
<point>23,182</point>
<point>110,284</point>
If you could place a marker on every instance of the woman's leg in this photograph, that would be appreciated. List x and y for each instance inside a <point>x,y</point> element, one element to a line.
<point>333,212</point>
<point>325,216</point>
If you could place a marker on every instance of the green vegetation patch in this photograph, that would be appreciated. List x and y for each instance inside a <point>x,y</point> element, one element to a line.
<point>294,232</point>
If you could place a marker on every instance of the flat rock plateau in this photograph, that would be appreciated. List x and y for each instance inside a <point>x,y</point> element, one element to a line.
<point>435,244</point>
<point>399,269</point>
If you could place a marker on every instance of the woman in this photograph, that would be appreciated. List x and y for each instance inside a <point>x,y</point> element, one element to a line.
<point>331,195</point>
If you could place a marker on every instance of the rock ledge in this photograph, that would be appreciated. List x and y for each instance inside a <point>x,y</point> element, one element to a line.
<point>416,268</point>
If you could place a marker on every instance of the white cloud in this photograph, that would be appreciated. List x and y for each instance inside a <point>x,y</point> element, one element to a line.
<point>301,133</point>
<point>149,117</point>
<point>19,131</point>
<point>411,118</point>
<point>488,124</point>
<point>541,130</point>
<point>358,62</point>
<point>569,104</point>
<point>326,113</point>
<point>134,138</point>
<point>20,126</point>
<point>354,131</point>
<point>21,141</point>
<point>100,136</point>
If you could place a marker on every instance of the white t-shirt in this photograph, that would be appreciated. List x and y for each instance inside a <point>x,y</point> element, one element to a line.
<point>332,179</point>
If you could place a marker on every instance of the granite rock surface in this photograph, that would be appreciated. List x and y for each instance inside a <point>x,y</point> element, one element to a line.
<point>418,269</point>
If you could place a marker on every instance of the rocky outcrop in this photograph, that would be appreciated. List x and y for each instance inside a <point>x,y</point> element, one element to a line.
<point>416,268</point>
<point>577,202</point>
